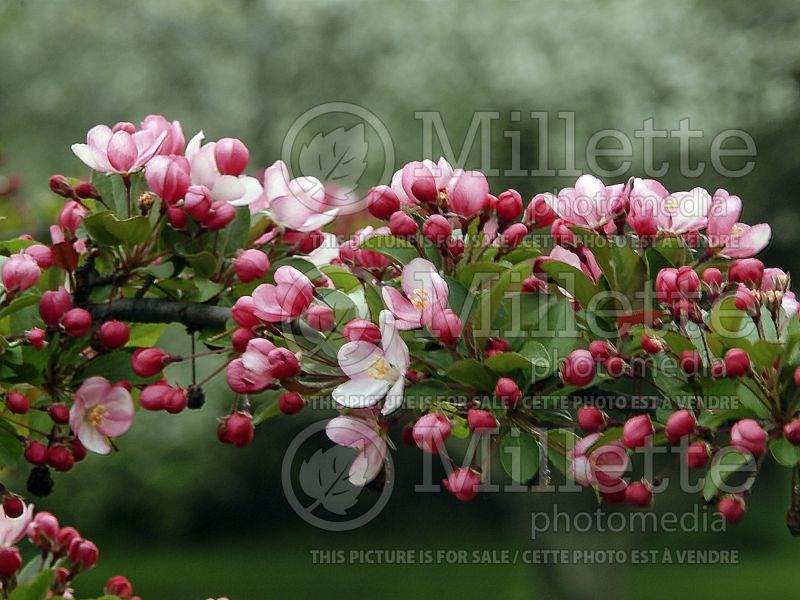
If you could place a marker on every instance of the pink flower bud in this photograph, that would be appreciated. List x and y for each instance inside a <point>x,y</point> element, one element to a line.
<point>539,213</point>
<point>748,435</point>
<point>362,330</point>
<point>690,362</point>
<point>10,561</point>
<point>382,202</point>
<point>220,216</point>
<point>745,301</point>
<point>445,325</point>
<point>86,190</point>
<point>455,246</point>
<point>114,334</point>
<point>579,368</point>
<point>717,369</point>
<point>82,554</point>
<point>76,322</point>
<point>231,156</point>
<point>463,483</point>
<point>36,337</point>
<point>666,284</point>
<point>291,403</point>
<point>76,446</point>
<point>697,454</point>
<point>197,202</point>
<point>244,381</point>
<point>687,282</point>
<point>509,205</point>
<point>639,494</point>
<point>591,419</point>
<point>41,254</point>
<point>616,366</point>
<point>168,176</point>
<point>731,508</point>
<point>244,312</point>
<point>305,241</point>
<point>125,126</point>
<point>176,217</point>
<point>498,344</point>
<point>437,229</point>
<point>419,182</point>
<point>282,363</point>
<point>712,277</point>
<point>320,317</point>
<point>561,233</point>
<point>59,413</point>
<point>174,142</point>
<point>251,265</point>
<point>17,403</point>
<point>679,424</point>
<point>467,193</point>
<point>236,429</point>
<point>430,431</point>
<point>71,216</point>
<point>43,530</point>
<point>119,586</point>
<point>60,185</point>
<point>20,273</point>
<point>791,431</point>
<point>748,271</point>
<point>176,400</point>
<point>737,362</point>
<point>637,431</point>
<point>651,344</point>
<point>153,397</point>
<point>478,420</point>
<point>508,391</point>
<point>534,285</point>
<point>600,350</point>
<point>240,339</point>
<point>65,537</point>
<point>644,224</point>
<point>53,304</point>
<point>512,236</point>
<point>35,452</point>
<point>147,362</point>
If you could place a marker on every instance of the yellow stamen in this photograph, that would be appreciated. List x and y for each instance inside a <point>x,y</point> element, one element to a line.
<point>737,229</point>
<point>671,204</point>
<point>97,415</point>
<point>421,299</point>
<point>380,369</point>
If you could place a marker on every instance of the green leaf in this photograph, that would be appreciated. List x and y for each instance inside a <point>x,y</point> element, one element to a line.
<point>114,366</point>
<point>571,279</point>
<point>460,299</point>
<point>10,445</point>
<point>305,267</point>
<point>204,263</point>
<point>105,228</point>
<point>392,247</point>
<point>724,465</point>
<point>727,321</point>
<point>145,334</point>
<point>19,303</point>
<point>342,278</point>
<point>36,589</point>
<point>559,443</point>
<point>785,452</point>
<point>234,236</point>
<point>506,362</point>
<point>30,570</point>
<point>491,299</point>
<point>472,274</point>
<point>473,373</point>
<point>519,455</point>
<point>344,309</point>
<point>425,393</point>
<point>268,408</point>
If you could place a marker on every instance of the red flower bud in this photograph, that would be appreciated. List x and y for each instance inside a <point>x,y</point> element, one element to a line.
<point>83,554</point>
<point>600,350</point>
<point>697,454</point>
<point>36,337</point>
<point>796,377</point>
<point>251,265</point>
<point>637,431</point>
<point>616,366</point>
<point>220,216</point>
<point>651,344</point>
<point>231,156</point>
<point>382,202</point>
<point>445,325</point>
<point>78,449</point>
<point>60,185</point>
<point>17,403</point>
<point>579,368</point>
<point>402,225</point>
<point>437,229</point>
<point>64,538</point>
<point>71,216</point>
<point>176,217</point>
<point>591,419</point>
<point>508,391</point>
<point>243,312</point>
<point>35,452</point>
<point>680,424</point>
<point>282,363</point>
<point>176,400</point>
<point>534,285</point>
<point>745,300</point>
<point>86,190</point>
<point>791,431</point>
<point>362,330</point>
<point>119,586</point>
<point>154,396</point>
<point>76,322</point>
<point>731,508</point>
<point>509,205</point>
<point>10,561</point>
<point>20,272</point>
<point>712,278</point>
<point>147,362</point>
<point>13,506</point>
<point>240,339</point>
<point>561,233</point>
<point>43,530</point>
<point>60,458</point>
<point>197,202</point>
<point>717,369</point>
<point>478,419</point>
<point>41,254</point>
<point>748,271</point>
<point>291,403</point>
<point>512,236</point>
<point>320,317</point>
<point>463,483</point>
<point>687,282</point>
<point>236,429</point>
<point>430,431</point>
<point>59,413</point>
<point>539,212</point>
<point>737,362</point>
<point>748,435</point>
<point>639,494</point>
<point>690,362</point>
<point>114,334</point>
<point>53,305</point>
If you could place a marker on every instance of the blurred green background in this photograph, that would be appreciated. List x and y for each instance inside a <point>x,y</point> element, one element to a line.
<point>186,517</point>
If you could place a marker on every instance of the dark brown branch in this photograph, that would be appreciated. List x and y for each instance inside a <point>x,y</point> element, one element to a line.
<point>156,310</point>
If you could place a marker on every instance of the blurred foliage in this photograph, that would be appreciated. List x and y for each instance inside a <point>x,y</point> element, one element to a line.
<point>249,68</point>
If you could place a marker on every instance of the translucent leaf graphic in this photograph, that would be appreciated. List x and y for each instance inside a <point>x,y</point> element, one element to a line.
<point>324,478</point>
<point>337,157</point>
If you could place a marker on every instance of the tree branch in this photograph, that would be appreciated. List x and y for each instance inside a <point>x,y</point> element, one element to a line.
<point>157,310</point>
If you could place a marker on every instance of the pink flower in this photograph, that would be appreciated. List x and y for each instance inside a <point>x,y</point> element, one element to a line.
<point>423,289</point>
<point>168,177</point>
<point>589,204</point>
<point>375,372</point>
<point>287,299</point>
<point>360,431</point>
<point>71,216</point>
<point>174,142</point>
<point>590,267</point>
<point>20,272</point>
<point>240,190</point>
<point>13,530</point>
<point>108,151</point>
<point>299,204</point>
<point>467,192</point>
<point>679,212</point>
<point>100,411</point>
<point>736,240</point>
<point>426,175</point>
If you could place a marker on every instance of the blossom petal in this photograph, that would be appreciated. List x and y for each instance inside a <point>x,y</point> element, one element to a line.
<point>394,397</point>
<point>358,356</point>
<point>408,316</point>
<point>394,348</point>
<point>360,392</point>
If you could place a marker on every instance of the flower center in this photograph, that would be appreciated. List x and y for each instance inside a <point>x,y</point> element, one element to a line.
<point>380,369</point>
<point>737,229</point>
<point>421,299</point>
<point>672,204</point>
<point>97,415</point>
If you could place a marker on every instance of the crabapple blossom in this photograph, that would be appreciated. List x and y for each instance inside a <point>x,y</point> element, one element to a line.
<point>169,177</point>
<point>467,193</point>
<point>421,181</point>
<point>360,329</point>
<point>236,429</point>
<point>360,430</point>
<point>579,368</point>
<point>287,298</point>
<point>174,142</point>
<point>430,431</point>
<point>20,272</point>
<point>382,202</point>
<point>251,265</point>
<point>423,290</point>
<point>298,204</point>
<point>748,435</point>
<point>100,411</point>
<point>463,483</point>
<point>108,151</point>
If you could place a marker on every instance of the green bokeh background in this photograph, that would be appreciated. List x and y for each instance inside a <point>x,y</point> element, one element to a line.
<point>185,517</point>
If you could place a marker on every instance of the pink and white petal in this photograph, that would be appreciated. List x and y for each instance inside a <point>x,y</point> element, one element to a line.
<point>691,213</point>
<point>394,397</point>
<point>287,212</point>
<point>122,152</point>
<point>723,214</point>
<point>92,158</point>
<point>566,256</point>
<point>367,464</point>
<point>326,252</point>
<point>397,188</point>
<point>266,303</point>
<point>13,530</point>
<point>204,166</point>
<point>408,317</point>
<point>276,181</point>
<point>98,137</point>
<point>358,356</point>
<point>361,392</point>
<point>318,220</point>
<point>93,439</point>
<point>417,275</point>
<point>394,348</point>
<point>93,391</point>
<point>750,242</point>
<point>193,147</point>
<point>253,194</point>
<point>227,188</point>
